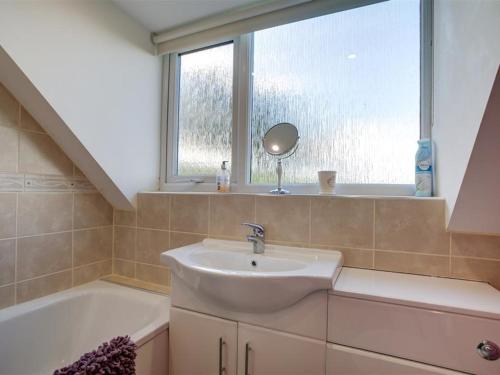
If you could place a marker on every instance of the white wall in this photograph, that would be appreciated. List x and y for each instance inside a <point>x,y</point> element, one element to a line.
<point>466,58</point>
<point>95,67</point>
<point>478,205</point>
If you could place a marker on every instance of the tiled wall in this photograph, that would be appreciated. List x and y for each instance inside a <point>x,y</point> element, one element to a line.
<point>55,228</point>
<point>400,234</point>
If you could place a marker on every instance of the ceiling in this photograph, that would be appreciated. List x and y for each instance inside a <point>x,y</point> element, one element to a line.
<point>159,15</point>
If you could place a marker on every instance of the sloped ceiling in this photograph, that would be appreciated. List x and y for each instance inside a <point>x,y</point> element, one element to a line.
<point>466,57</point>
<point>478,204</point>
<point>87,73</point>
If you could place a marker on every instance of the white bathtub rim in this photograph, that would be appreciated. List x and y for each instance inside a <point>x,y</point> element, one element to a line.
<point>140,337</point>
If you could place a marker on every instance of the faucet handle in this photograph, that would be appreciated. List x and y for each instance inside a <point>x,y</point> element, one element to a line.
<point>258,229</point>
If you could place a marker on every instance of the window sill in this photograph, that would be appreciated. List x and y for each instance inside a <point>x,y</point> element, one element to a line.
<point>342,190</point>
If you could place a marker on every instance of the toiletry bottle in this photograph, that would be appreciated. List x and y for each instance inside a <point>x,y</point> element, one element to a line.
<point>223,178</point>
<point>423,169</point>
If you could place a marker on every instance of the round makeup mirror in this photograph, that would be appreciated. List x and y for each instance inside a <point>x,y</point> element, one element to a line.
<point>281,140</point>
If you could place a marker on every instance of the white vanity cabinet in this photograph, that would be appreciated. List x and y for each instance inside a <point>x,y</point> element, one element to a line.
<point>263,351</point>
<point>206,345</point>
<point>201,344</point>
<point>343,360</point>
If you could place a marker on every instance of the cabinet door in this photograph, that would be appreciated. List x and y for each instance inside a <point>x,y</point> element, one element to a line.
<point>201,344</point>
<point>265,352</point>
<point>342,360</point>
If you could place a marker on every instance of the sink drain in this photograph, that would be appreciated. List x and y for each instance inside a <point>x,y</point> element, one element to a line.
<point>254,263</point>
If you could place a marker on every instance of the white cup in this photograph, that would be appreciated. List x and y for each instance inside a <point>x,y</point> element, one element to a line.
<point>327,181</point>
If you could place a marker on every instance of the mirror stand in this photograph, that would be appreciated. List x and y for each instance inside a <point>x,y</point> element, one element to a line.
<point>279,171</point>
<point>281,140</point>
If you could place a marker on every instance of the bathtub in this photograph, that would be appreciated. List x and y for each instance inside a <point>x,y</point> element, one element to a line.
<point>39,336</point>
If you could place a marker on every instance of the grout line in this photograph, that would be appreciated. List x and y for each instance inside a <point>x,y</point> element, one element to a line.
<point>16,249</point>
<point>113,244</point>
<point>411,252</point>
<point>209,214</point>
<point>153,265</point>
<point>73,241</point>
<point>45,275</point>
<point>373,234</point>
<point>449,262</point>
<point>170,213</point>
<point>18,161</point>
<point>91,264</point>
<point>475,258</point>
<point>309,240</point>
<point>58,232</point>
<point>136,236</point>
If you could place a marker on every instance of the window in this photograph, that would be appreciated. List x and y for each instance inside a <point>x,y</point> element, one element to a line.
<point>350,82</point>
<point>205,110</point>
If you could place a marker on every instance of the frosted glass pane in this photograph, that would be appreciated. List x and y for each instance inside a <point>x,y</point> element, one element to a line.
<point>205,110</point>
<point>350,82</point>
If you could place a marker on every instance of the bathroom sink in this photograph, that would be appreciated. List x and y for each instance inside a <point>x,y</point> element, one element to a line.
<point>230,275</point>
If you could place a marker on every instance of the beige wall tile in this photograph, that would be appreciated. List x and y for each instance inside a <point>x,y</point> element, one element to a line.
<point>472,245</point>
<point>40,154</point>
<point>45,212</point>
<point>228,212</point>
<point>189,213</point>
<point>411,225</point>
<point>124,268</point>
<point>40,255</point>
<point>7,261</point>
<point>77,172</point>
<point>284,218</point>
<point>153,211</point>
<point>420,264</point>
<point>8,203</point>
<point>476,269</point>
<point>92,245</point>
<point>9,149</point>
<point>342,221</point>
<point>178,239</point>
<point>9,108</point>
<point>150,244</point>
<point>7,296</point>
<point>128,218</point>
<point>92,210</point>
<point>28,122</point>
<point>125,239</point>
<point>35,288</point>
<point>91,272</point>
<point>357,258</point>
<point>153,274</point>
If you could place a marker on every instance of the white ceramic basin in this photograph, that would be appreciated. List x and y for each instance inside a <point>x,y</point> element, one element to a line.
<point>231,275</point>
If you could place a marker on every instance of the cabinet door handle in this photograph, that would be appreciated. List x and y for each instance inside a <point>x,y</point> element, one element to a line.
<point>221,367</point>
<point>247,351</point>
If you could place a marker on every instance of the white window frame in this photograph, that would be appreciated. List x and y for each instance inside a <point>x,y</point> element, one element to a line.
<point>241,132</point>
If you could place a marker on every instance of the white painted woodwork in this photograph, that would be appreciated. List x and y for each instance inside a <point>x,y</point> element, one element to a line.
<point>466,57</point>
<point>279,353</point>
<point>478,207</point>
<point>152,357</point>
<point>429,336</point>
<point>342,360</point>
<point>194,343</point>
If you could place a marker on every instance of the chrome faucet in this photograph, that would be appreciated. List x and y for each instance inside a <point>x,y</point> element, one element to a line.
<point>257,237</point>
